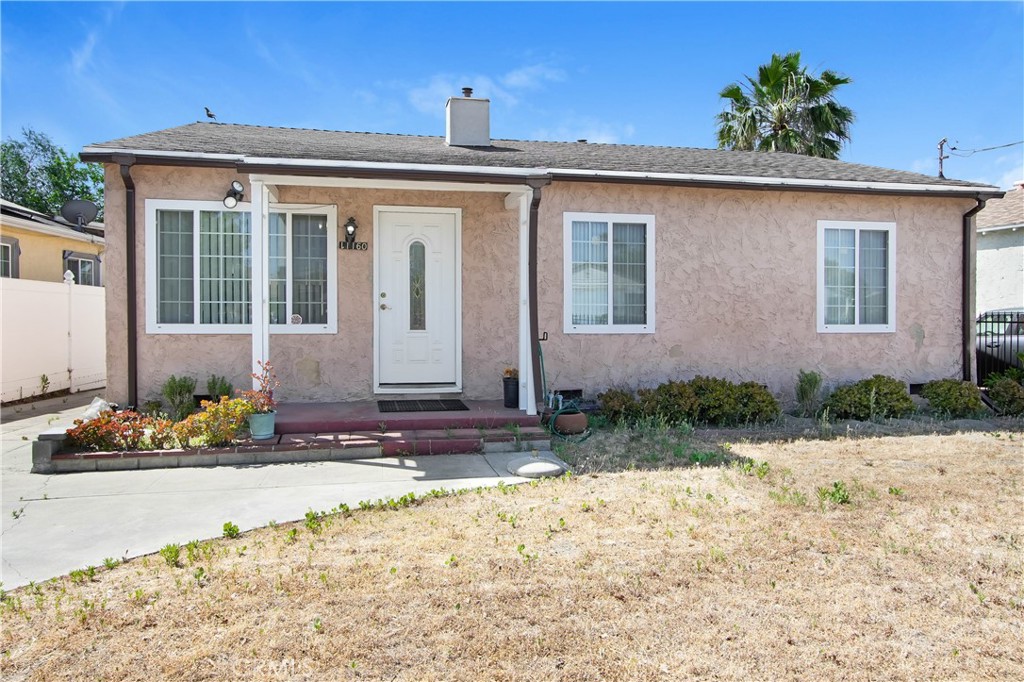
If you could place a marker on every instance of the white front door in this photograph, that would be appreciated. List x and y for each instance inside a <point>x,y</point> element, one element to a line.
<point>417,300</point>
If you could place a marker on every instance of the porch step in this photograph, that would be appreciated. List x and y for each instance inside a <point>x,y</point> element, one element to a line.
<point>364,418</point>
<point>411,442</point>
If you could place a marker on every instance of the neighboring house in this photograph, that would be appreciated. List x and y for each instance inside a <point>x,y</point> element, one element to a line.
<point>636,264</point>
<point>38,247</point>
<point>1001,252</point>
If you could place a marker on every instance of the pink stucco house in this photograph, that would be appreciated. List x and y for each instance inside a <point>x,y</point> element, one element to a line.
<point>228,243</point>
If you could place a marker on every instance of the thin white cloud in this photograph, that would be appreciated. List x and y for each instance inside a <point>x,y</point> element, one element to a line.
<point>82,57</point>
<point>507,88</point>
<point>532,77</point>
<point>589,129</point>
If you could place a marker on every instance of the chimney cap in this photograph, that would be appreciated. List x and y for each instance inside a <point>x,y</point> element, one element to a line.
<point>467,92</point>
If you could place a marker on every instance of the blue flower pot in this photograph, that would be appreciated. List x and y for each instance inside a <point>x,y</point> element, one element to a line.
<point>261,426</point>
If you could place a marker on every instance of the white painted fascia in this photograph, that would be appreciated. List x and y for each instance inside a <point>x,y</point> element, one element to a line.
<point>387,183</point>
<point>51,230</point>
<point>999,228</point>
<point>780,182</point>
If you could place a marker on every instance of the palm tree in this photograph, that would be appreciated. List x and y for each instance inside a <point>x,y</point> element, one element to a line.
<point>786,109</point>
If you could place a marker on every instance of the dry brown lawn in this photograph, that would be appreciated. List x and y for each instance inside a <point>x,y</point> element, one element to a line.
<point>731,571</point>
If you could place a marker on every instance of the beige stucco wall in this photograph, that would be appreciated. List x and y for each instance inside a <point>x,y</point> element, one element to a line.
<point>736,298</point>
<point>735,283</point>
<point>1000,270</point>
<point>42,254</point>
<point>331,366</point>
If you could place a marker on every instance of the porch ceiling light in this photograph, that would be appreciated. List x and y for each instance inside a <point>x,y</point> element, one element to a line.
<point>235,193</point>
<point>350,230</point>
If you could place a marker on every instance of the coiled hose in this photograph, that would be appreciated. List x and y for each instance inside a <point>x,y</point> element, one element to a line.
<point>567,407</point>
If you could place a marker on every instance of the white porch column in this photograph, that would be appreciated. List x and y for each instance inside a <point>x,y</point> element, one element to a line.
<point>259,220</point>
<point>526,378</point>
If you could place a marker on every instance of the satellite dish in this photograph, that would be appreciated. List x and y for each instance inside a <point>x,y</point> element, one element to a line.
<point>79,212</point>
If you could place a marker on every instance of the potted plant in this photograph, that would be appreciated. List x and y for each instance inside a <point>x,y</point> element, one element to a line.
<point>511,385</point>
<point>261,421</point>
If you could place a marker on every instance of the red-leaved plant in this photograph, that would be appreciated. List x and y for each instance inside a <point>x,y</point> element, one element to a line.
<point>262,398</point>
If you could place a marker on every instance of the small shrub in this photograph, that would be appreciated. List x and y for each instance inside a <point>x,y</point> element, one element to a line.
<point>755,404</point>
<point>231,530</point>
<point>619,404</point>
<point>837,494</point>
<point>179,394</point>
<point>171,554</point>
<point>218,423</point>
<point>954,398</point>
<point>808,392</point>
<point>218,386</point>
<point>874,398</point>
<point>674,402</point>
<point>1008,396</point>
<point>110,431</point>
<point>717,400</point>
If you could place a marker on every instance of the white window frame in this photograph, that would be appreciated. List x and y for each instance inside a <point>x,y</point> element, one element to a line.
<point>331,326</point>
<point>90,258</point>
<point>567,324</point>
<point>152,285</point>
<point>857,327</point>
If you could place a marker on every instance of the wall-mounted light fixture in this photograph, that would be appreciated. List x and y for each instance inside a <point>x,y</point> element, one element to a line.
<point>350,231</point>
<point>235,193</point>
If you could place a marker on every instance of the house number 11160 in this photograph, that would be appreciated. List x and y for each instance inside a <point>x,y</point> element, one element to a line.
<point>353,246</point>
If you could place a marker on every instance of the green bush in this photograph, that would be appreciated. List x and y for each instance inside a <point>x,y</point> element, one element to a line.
<point>756,404</point>
<point>717,400</point>
<point>217,386</point>
<point>179,394</point>
<point>1008,396</point>
<point>808,392</point>
<point>874,398</point>
<point>673,401</point>
<point>618,404</point>
<point>954,398</point>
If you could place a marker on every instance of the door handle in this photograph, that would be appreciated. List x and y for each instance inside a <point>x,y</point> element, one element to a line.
<point>385,306</point>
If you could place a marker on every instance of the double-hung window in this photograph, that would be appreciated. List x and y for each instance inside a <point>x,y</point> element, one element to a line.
<point>199,268</point>
<point>84,266</point>
<point>856,284</point>
<point>6,260</point>
<point>608,273</point>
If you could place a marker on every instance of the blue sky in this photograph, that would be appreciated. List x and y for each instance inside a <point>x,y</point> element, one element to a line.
<point>608,72</point>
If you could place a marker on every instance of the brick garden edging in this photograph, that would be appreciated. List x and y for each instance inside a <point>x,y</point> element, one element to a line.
<point>48,458</point>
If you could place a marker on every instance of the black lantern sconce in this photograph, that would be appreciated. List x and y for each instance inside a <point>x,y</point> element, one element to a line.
<point>234,195</point>
<point>350,231</point>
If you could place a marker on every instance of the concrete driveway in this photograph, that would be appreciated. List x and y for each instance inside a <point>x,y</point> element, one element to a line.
<point>53,524</point>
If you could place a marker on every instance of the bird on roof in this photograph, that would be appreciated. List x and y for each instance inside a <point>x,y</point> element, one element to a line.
<point>210,114</point>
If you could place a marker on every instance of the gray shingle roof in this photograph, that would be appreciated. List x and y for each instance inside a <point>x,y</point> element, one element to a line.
<point>326,145</point>
<point>1006,211</point>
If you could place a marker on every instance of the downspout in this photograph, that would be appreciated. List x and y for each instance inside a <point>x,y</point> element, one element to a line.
<point>967,303</point>
<point>532,269</point>
<point>126,163</point>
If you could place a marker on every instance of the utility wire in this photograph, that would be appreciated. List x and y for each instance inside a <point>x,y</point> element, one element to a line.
<point>971,152</point>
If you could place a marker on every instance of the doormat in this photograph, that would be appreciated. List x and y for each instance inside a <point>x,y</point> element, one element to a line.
<point>421,405</point>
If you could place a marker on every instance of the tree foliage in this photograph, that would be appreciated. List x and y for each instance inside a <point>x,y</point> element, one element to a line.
<point>786,109</point>
<point>38,174</point>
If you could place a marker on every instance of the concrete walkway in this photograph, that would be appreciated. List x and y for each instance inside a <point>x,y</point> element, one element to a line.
<point>55,524</point>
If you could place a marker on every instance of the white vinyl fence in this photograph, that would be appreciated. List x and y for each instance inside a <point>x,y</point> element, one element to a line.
<point>56,330</point>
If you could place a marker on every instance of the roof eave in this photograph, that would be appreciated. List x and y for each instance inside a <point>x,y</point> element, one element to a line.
<point>412,171</point>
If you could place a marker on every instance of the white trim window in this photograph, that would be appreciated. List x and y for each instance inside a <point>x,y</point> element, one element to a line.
<point>199,268</point>
<point>84,266</point>
<point>856,276</point>
<point>608,273</point>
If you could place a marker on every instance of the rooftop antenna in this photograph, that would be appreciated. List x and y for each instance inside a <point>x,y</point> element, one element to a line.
<point>79,212</point>
<point>942,143</point>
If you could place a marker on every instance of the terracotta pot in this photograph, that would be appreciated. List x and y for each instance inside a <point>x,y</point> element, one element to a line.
<point>570,423</point>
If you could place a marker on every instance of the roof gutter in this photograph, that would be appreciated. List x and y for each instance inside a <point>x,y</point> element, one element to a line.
<point>969,262</point>
<point>126,162</point>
